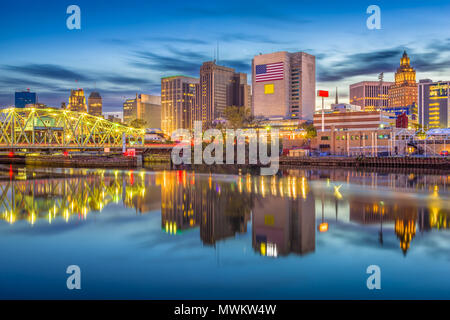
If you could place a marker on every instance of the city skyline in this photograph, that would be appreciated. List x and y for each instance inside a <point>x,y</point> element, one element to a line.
<point>141,48</point>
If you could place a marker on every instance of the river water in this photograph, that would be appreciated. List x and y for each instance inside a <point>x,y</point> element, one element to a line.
<point>303,234</point>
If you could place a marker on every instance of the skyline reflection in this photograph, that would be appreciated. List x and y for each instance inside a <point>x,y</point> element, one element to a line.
<point>287,213</point>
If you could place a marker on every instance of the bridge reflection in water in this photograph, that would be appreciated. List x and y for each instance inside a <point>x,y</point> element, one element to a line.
<point>287,212</point>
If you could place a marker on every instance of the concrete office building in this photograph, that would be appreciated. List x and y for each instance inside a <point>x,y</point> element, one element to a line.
<point>284,85</point>
<point>370,95</point>
<point>149,110</point>
<point>178,101</point>
<point>434,104</point>
<point>95,104</point>
<point>220,87</point>
<point>144,107</point>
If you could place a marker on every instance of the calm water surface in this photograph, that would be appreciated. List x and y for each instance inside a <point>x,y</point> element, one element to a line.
<point>305,234</point>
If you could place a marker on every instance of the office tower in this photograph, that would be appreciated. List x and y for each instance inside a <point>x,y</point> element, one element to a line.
<point>95,104</point>
<point>144,107</point>
<point>370,95</point>
<point>434,104</point>
<point>22,98</point>
<point>284,85</point>
<point>130,110</point>
<point>404,91</point>
<point>149,110</point>
<point>178,99</point>
<point>77,101</point>
<point>220,87</point>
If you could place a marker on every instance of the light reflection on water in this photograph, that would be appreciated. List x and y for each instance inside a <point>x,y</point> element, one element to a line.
<point>216,227</point>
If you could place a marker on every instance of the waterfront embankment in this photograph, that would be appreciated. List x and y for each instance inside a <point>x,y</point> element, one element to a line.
<point>442,163</point>
<point>75,161</point>
<point>121,161</point>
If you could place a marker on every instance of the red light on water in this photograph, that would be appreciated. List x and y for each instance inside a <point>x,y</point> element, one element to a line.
<point>11,154</point>
<point>65,153</point>
<point>179,176</point>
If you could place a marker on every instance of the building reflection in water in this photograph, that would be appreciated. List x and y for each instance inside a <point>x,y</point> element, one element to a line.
<point>284,219</point>
<point>286,211</point>
<point>215,206</point>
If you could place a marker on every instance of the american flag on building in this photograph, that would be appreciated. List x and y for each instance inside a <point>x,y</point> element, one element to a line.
<point>269,72</point>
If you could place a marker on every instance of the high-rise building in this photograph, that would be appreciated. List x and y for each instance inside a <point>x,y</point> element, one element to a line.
<point>77,101</point>
<point>130,110</point>
<point>404,91</point>
<point>370,95</point>
<point>149,110</point>
<point>95,104</point>
<point>178,100</point>
<point>284,85</point>
<point>434,104</point>
<point>22,98</point>
<point>220,87</point>
<point>144,107</point>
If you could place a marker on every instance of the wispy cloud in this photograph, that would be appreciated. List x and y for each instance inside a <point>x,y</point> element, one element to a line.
<point>234,37</point>
<point>259,12</point>
<point>164,63</point>
<point>183,61</point>
<point>360,64</point>
<point>129,81</point>
<point>386,60</point>
<point>169,39</point>
<point>49,71</point>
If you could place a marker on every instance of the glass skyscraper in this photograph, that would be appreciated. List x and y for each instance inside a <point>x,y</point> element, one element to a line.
<point>23,98</point>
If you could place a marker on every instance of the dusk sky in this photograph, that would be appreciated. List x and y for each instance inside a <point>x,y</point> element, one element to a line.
<point>125,47</point>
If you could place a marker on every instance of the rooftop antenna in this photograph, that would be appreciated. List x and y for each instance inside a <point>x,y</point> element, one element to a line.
<point>380,89</point>
<point>217,51</point>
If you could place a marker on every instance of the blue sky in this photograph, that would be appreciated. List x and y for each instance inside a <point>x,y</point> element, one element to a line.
<point>125,47</point>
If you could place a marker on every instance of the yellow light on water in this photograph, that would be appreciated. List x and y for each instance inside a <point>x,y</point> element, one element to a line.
<point>323,227</point>
<point>262,249</point>
<point>436,191</point>
<point>337,193</point>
